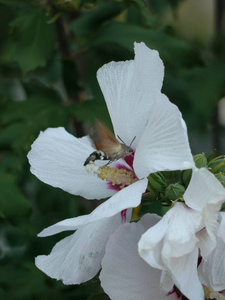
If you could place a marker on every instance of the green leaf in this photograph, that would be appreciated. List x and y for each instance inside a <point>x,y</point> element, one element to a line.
<point>91,21</point>
<point>204,87</point>
<point>23,120</point>
<point>155,207</point>
<point>2,294</point>
<point>11,163</point>
<point>137,13</point>
<point>159,6</point>
<point>15,3</point>
<point>97,296</point>
<point>12,201</point>
<point>34,39</point>
<point>6,16</point>
<point>172,50</point>
<point>24,278</point>
<point>12,135</point>
<point>89,110</point>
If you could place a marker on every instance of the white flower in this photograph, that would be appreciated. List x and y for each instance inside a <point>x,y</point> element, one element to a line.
<point>125,275</point>
<point>137,109</point>
<point>173,244</point>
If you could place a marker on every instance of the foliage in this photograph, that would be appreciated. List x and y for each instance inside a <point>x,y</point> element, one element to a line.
<point>50,52</point>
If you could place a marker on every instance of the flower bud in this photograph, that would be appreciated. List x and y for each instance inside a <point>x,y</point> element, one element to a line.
<point>175,191</point>
<point>200,160</point>
<point>186,177</point>
<point>157,181</point>
<point>217,165</point>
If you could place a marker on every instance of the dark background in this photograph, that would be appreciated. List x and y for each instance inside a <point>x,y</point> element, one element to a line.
<point>49,54</point>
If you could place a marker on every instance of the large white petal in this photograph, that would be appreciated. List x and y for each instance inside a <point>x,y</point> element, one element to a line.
<point>57,158</point>
<point>180,237</point>
<point>185,276</point>
<point>124,274</point>
<point>204,189</point>
<point>129,89</point>
<point>128,197</point>
<point>206,236</point>
<point>212,270</point>
<point>151,243</point>
<point>164,144</point>
<point>77,258</point>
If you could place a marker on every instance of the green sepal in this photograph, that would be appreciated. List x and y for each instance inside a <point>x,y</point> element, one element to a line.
<point>165,201</point>
<point>221,177</point>
<point>149,197</point>
<point>210,155</point>
<point>217,165</point>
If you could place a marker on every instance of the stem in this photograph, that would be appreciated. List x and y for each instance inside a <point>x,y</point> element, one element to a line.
<point>62,38</point>
<point>63,42</point>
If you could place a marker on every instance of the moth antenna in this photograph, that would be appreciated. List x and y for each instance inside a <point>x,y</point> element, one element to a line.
<point>121,140</point>
<point>132,140</point>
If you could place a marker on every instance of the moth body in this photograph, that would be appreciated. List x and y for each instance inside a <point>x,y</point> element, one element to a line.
<point>108,147</point>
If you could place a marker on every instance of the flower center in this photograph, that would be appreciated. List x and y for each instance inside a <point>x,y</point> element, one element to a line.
<point>119,177</point>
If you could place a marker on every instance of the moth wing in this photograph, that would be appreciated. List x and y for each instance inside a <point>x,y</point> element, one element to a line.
<point>104,139</point>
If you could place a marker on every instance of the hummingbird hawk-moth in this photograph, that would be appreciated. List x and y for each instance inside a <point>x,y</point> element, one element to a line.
<point>108,147</point>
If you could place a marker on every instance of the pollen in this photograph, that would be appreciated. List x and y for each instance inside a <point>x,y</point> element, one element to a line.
<point>91,167</point>
<point>119,177</point>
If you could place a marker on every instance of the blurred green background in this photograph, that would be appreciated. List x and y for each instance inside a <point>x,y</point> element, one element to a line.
<point>49,54</point>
